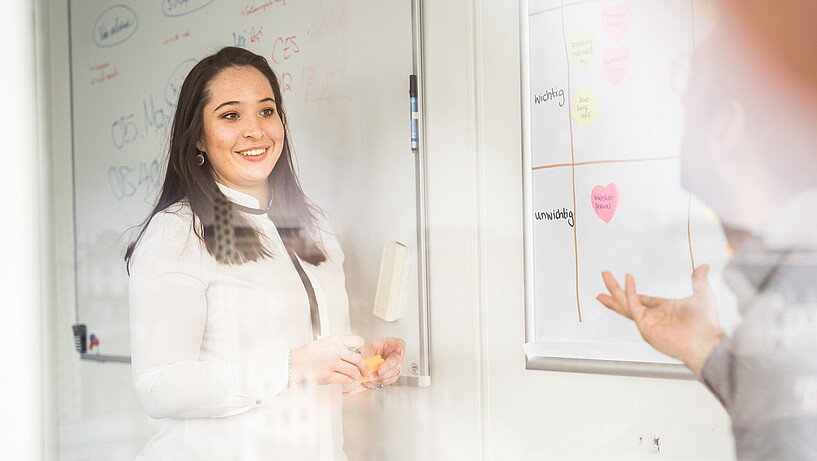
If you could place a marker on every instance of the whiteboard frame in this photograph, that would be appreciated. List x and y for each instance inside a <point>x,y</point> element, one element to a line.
<point>544,363</point>
<point>424,378</point>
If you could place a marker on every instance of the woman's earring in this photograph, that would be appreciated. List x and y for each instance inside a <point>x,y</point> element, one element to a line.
<point>200,158</point>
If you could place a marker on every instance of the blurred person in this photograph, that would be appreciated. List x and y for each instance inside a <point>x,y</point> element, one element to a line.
<point>749,153</point>
<point>240,331</point>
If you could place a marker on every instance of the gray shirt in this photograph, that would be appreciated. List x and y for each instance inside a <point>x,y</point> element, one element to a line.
<point>765,375</point>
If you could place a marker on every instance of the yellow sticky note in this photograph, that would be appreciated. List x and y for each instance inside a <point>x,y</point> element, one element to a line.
<point>582,49</point>
<point>711,214</point>
<point>373,363</point>
<point>585,106</point>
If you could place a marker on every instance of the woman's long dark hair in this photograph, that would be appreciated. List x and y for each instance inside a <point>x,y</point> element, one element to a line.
<point>293,214</point>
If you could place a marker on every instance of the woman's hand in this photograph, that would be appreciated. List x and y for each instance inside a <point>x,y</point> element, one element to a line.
<point>392,350</point>
<point>686,328</point>
<point>330,360</point>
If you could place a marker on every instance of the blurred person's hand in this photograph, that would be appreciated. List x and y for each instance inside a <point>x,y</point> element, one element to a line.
<point>686,329</point>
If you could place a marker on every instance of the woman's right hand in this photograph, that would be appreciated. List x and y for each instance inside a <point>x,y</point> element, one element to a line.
<point>330,360</point>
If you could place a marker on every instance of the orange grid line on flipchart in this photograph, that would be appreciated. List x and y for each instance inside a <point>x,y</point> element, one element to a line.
<point>572,161</point>
<point>689,206</point>
<point>599,162</point>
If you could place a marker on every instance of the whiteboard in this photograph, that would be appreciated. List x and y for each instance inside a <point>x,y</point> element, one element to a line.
<point>602,120</point>
<point>344,68</point>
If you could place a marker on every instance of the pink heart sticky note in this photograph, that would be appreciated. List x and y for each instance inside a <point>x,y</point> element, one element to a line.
<point>616,63</point>
<point>605,201</point>
<point>616,20</point>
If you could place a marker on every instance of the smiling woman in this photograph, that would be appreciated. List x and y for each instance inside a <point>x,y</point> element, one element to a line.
<point>240,331</point>
<point>243,138</point>
<point>226,105</point>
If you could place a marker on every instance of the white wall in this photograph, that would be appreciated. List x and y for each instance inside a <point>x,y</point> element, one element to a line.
<point>21,351</point>
<point>482,403</point>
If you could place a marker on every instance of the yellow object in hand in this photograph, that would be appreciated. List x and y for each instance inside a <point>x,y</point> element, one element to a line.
<point>373,363</point>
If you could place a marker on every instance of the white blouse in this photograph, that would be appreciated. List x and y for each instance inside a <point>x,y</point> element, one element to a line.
<point>210,345</point>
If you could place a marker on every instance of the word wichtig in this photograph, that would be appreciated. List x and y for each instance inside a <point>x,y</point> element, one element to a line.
<point>553,94</point>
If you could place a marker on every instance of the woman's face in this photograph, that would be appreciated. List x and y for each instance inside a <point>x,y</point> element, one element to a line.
<point>243,133</point>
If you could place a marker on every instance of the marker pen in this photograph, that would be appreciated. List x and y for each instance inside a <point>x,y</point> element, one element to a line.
<point>415,116</point>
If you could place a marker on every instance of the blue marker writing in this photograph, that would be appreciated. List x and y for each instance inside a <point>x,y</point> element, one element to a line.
<point>415,116</point>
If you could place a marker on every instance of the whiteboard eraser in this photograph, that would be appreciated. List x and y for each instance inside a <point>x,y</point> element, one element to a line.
<point>387,297</point>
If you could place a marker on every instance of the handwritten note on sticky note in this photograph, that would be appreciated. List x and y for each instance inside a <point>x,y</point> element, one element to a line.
<point>585,106</point>
<point>615,20</point>
<point>605,201</point>
<point>616,64</point>
<point>582,49</point>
